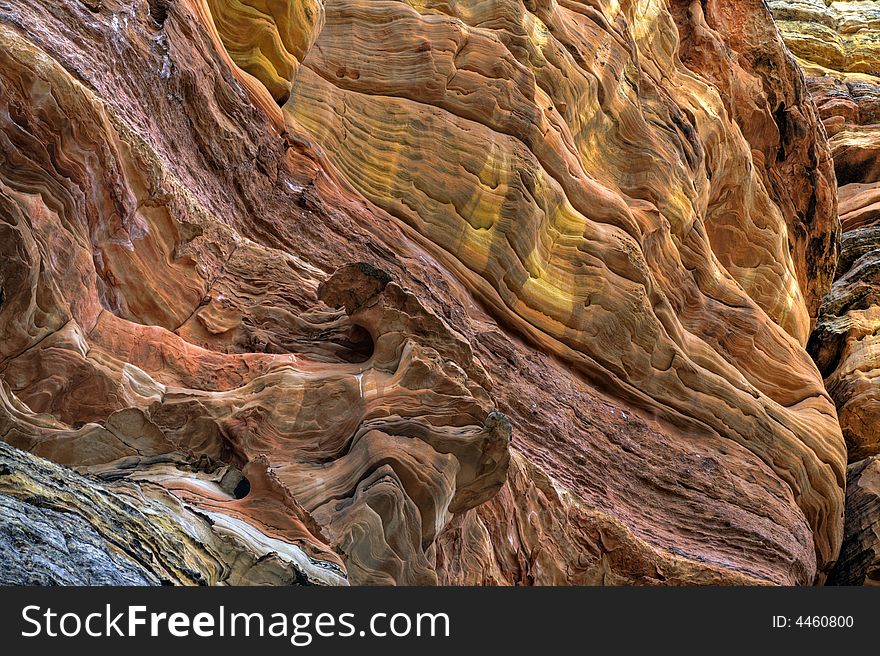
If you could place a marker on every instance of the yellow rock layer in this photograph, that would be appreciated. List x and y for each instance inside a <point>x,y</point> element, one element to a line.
<point>598,195</point>
<point>268,38</point>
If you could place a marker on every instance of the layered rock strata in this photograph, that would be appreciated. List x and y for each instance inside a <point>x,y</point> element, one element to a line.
<point>859,562</point>
<point>60,528</point>
<point>306,267</point>
<point>838,45</point>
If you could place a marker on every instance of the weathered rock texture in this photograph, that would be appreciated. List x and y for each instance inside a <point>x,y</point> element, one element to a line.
<point>859,562</point>
<point>306,267</point>
<point>838,44</point>
<point>60,528</point>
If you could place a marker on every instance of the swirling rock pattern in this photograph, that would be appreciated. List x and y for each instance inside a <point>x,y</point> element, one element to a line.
<point>378,424</point>
<point>547,124</point>
<point>268,38</point>
<point>306,267</point>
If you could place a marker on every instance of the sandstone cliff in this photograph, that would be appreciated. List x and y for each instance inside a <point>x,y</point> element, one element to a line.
<point>838,44</point>
<point>424,291</point>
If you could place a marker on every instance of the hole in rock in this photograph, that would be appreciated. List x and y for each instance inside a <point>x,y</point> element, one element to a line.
<point>358,345</point>
<point>242,489</point>
<point>235,483</point>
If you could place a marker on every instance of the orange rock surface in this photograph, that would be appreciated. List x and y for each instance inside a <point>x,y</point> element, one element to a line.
<point>498,293</point>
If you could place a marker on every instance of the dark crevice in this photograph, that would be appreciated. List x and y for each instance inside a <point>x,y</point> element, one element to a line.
<point>93,6</point>
<point>783,123</point>
<point>242,489</point>
<point>159,10</point>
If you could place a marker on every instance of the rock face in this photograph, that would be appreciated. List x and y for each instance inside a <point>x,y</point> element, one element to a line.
<point>846,85</point>
<point>836,35</point>
<point>838,44</point>
<point>859,562</point>
<point>307,268</point>
<point>60,528</point>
